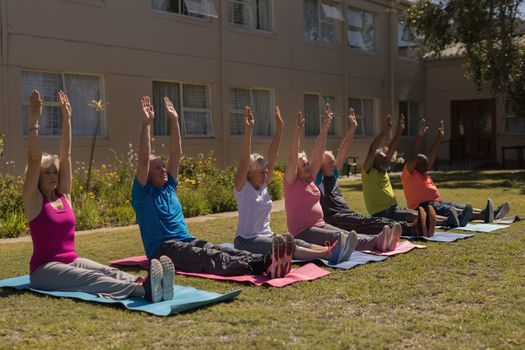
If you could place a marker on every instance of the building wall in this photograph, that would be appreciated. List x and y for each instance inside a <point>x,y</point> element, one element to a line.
<point>130,45</point>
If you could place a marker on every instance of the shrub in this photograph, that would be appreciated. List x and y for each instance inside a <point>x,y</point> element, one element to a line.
<point>88,215</point>
<point>121,216</point>
<point>193,202</point>
<point>12,225</point>
<point>275,188</point>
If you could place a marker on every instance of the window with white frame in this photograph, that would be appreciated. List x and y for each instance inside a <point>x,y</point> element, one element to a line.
<point>192,8</point>
<point>314,105</point>
<point>192,103</point>
<point>321,20</point>
<point>514,121</point>
<point>260,101</point>
<point>251,14</point>
<point>364,114</point>
<point>406,41</point>
<point>411,111</point>
<point>81,89</point>
<point>360,30</point>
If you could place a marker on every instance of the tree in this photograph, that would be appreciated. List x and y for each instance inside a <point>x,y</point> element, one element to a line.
<point>489,33</point>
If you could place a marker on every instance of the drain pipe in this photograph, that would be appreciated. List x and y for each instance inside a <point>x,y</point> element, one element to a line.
<point>4,111</point>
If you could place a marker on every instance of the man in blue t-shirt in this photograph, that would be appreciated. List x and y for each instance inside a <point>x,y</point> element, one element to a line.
<point>159,213</point>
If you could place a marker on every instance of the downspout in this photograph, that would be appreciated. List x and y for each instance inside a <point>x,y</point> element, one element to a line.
<point>392,56</point>
<point>224,112</point>
<point>345,68</point>
<point>4,111</point>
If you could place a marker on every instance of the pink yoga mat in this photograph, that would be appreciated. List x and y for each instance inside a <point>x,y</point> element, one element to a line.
<point>306,272</point>
<point>402,247</point>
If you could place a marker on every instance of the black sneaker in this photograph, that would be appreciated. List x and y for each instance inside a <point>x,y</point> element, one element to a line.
<point>453,219</point>
<point>466,215</point>
<point>488,212</point>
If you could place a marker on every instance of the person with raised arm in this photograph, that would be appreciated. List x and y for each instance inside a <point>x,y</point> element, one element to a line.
<point>159,212</point>
<point>304,214</point>
<point>420,190</point>
<point>254,203</point>
<point>55,264</point>
<point>378,193</point>
<point>335,208</point>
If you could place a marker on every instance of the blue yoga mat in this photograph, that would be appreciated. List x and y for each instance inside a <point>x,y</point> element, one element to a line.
<point>357,258</point>
<point>480,227</point>
<point>443,237</point>
<point>186,298</point>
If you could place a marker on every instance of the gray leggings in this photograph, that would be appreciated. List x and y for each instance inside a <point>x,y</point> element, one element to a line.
<point>84,275</point>
<point>328,233</point>
<point>262,245</point>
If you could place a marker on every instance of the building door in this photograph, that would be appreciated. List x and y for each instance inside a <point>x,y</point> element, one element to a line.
<point>473,130</point>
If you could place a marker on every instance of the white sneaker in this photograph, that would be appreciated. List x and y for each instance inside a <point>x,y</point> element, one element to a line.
<point>168,272</point>
<point>394,237</point>
<point>383,238</point>
<point>502,211</point>
<point>155,280</point>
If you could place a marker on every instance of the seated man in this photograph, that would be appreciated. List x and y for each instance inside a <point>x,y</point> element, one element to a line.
<point>335,209</point>
<point>160,218</point>
<point>420,190</point>
<point>378,193</point>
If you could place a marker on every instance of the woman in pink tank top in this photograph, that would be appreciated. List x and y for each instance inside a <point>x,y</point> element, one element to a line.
<point>55,264</point>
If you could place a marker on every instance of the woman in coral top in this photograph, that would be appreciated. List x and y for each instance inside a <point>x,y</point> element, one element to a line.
<point>55,264</point>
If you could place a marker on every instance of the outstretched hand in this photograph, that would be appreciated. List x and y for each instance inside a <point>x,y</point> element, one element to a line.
<point>147,108</point>
<point>35,108</point>
<point>65,106</point>
<point>279,122</point>
<point>327,116</point>
<point>441,129</point>
<point>423,127</point>
<point>172,113</point>
<point>249,120</point>
<point>352,119</point>
<point>388,123</point>
<point>299,120</point>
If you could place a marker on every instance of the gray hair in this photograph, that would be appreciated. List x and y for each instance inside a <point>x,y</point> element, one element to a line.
<point>257,162</point>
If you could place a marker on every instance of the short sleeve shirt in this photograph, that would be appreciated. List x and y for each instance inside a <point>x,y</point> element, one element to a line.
<point>254,208</point>
<point>377,191</point>
<point>419,188</point>
<point>159,214</point>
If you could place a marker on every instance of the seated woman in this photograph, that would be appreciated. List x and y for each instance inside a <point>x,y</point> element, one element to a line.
<point>55,265</point>
<point>254,204</point>
<point>304,214</point>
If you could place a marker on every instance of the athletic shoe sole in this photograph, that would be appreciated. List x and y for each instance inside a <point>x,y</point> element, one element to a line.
<point>504,210</point>
<point>431,220</point>
<point>349,246</point>
<point>383,238</point>
<point>289,250</point>
<point>155,277</point>
<point>277,256</point>
<point>396,232</point>
<point>466,215</point>
<point>421,223</point>
<point>168,272</point>
<point>489,211</point>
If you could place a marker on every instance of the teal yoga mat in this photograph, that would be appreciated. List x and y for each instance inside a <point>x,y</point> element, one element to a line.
<point>186,298</point>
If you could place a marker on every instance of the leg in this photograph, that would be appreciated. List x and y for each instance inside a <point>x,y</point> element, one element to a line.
<point>106,270</point>
<point>320,235</point>
<point>257,245</point>
<point>364,242</point>
<point>398,213</point>
<point>364,225</point>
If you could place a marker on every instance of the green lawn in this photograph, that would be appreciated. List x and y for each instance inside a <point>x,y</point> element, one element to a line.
<point>468,294</point>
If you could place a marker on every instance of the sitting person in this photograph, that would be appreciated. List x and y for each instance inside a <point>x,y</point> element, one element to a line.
<point>160,218</point>
<point>304,214</point>
<point>254,204</point>
<point>55,264</point>
<point>420,190</point>
<point>378,193</point>
<point>335,209</point>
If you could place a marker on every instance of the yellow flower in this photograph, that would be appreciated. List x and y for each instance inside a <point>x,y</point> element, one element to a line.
<point>98,105</point>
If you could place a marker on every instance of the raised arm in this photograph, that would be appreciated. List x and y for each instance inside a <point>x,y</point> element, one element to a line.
<point>273,149</point>
<point>148,114</point>
<point>347,141</point>
<point>416,146</point>
<point>433,151</point>
<point>316,159</point>
<point>30,192</point>
<point>291,166</point>
<point>175,142</point>
<point>244,163</point>
<point>369,161</point>
<point>65,173</point>
<point>395,141</point>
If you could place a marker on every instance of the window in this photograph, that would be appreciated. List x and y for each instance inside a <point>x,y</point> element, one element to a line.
<point>514,121</point>
<point>191,101</point>
<point>364,113</point>
<point>411,112</point>
<point>314,110</point>
<point>406,41</point>
<point>261,103</point>
<point>360,30</point>
<point>252,14</point>
<point>321,20</point>
<point>81,90</point>
<point>192,8</point>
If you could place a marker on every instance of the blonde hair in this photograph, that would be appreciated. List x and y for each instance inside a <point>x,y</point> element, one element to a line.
<point>329,153</point>
<point>302,154</point>
<point>48,159</point>
<point>257,161</point>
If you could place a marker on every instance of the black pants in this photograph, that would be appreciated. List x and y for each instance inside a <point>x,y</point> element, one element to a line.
<point>401,215</point>
<point>203,257</point>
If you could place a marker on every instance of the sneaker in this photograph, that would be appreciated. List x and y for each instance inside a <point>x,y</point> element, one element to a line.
<point>453,219</point>
<point>336,249</point>
<point>421,223</point>
<point>289,250</point>
<point>431,220</point>
<point>168,272</point>
<point>383,238</point>
<point>277,256</point>
<point>466,215</point>
<point>153,283</point>
<point>350,244</point>
<point>394,237</point>
<point>488,212</point>
<point>502,211</point>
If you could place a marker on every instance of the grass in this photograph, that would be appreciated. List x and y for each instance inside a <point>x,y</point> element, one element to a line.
<point>462,295</point>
